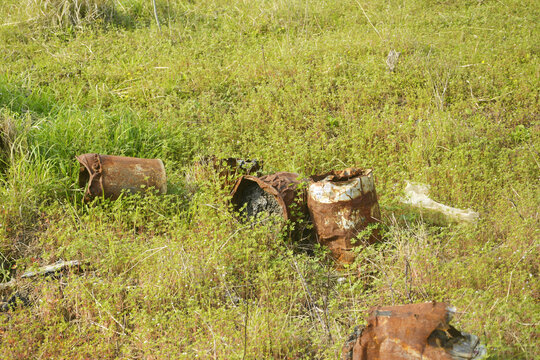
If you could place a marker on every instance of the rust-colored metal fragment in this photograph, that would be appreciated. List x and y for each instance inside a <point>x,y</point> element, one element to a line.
<point>230,167</point>
<point>410,332</point>
<point>108,176</point>
<point>278,194</point>
<point>227,169</point>
<point>341,204</point>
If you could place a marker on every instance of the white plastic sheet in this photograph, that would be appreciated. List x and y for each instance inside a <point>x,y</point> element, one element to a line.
<point>418,195</point>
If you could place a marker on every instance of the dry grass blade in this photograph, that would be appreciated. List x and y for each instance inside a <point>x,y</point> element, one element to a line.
<point>8,136</point>
<point>74,12</point>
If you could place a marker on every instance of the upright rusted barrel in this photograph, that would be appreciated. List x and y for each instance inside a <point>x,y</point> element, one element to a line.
<point>108,176</point>
<point>341,204</point>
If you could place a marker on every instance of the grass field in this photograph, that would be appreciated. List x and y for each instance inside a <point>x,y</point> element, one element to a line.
<point>304,86</point>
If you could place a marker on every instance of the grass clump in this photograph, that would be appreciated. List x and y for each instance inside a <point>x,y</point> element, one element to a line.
<point>7,138</point>
<point>74,12</point>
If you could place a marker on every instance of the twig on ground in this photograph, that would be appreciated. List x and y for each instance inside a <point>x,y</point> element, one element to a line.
<point>367,17</point>
<point>156,250</point>
<point>123,333</point>
<point>54,268</point>
<point>8,285</point>
<point>313,308</point>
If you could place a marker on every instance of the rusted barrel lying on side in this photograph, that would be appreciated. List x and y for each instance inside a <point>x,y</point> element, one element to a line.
<point>279,194</point>
<point>412,332</point>
<point>341,204</point>
<point>108,176</point>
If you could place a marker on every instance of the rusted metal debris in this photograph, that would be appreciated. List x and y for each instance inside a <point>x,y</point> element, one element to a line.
<point>228,169</point>
<point>278,194</point>
<point>108,176</point>
<point>341,204</point>
<point>410,332</point>
<point>231,167</point>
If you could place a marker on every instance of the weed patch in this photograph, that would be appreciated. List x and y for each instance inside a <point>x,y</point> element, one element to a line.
<point>304,86</point>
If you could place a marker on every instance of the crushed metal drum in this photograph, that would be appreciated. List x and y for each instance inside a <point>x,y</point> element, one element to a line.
<point>279,194</point>
<point>341,205</point>
<point>410,332</point>
<point>108,176</point>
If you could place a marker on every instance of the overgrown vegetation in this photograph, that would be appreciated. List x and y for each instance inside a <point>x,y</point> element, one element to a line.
<point>304,86</point>
<point>74,12</point>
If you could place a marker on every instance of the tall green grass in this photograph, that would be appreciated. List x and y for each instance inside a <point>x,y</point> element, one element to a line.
<point>304,86</point>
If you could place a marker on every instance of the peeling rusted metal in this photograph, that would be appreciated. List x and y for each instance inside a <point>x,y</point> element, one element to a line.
<point>234,166</point>
<point>283,187</point>
<point>108,176</point>
<point>410,332</point>
<point>228,169</point>
<point>341,204</point>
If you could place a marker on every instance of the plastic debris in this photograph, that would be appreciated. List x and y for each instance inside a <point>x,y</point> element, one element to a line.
<point>392,59</point>
<point>417,196</point>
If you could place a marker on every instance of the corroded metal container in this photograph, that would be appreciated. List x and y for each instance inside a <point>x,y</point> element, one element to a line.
<point>108,176</point>
<point>228,169</point>
<point>412,332</point>
<point>341,204</point>
<point>277,194</point>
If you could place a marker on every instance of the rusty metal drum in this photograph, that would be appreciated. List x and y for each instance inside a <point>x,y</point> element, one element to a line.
<point>228,169</point>
<point>276,194</point>
<point>109,176</point>
<point>341,204</point>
